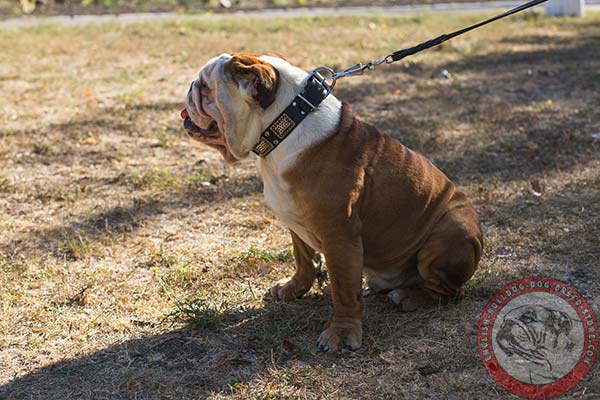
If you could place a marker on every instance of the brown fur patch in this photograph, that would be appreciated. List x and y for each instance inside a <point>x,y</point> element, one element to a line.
<point>374,204</point>
<point>263,75</point>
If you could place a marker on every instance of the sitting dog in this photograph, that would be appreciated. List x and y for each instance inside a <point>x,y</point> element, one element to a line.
<point>360,198</point>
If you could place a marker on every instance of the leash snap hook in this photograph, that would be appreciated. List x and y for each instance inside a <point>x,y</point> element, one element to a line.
<point>354,70</point>
<point>360,68</point>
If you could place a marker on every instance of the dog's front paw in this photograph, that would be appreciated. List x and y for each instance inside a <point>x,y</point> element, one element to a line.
<point>339,334</point>
<point>288,289</point>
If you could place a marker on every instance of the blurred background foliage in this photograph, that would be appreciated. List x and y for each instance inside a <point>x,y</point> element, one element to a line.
<point>54,7</point>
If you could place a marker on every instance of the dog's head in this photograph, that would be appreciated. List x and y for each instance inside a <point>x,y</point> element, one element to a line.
<point>531,331</point>
<point>231,101</point>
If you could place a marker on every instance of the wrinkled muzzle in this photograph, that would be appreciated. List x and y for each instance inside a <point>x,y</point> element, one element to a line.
<point>194,97</point>
<point>202,126</point>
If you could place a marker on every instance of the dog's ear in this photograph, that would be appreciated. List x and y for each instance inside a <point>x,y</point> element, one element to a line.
<point>257,78</point>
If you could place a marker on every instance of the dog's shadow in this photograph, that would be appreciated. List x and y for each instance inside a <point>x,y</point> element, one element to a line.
<point>193,363</point>
<point>188,362</point>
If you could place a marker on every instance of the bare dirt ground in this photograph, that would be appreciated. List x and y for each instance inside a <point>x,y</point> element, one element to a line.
<point>133,263</point>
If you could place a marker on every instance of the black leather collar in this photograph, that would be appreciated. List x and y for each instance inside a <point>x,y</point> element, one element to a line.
<point>316,90</point>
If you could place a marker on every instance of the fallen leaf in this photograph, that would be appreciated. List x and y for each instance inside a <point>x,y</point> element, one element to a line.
<point>89,141</point>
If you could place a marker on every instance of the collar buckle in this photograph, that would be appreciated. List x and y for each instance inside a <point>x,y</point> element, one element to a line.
<point>326,76</point>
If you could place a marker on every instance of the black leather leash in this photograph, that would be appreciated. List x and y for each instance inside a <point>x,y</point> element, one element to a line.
<point>322,80</point>
<point>360,68</point>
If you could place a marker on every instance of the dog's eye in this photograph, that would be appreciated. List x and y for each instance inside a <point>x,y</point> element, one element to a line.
<point>527,318</point>
<point>562,318</point>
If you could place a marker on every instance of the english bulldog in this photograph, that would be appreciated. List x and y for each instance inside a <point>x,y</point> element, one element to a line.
<point>366,202</point>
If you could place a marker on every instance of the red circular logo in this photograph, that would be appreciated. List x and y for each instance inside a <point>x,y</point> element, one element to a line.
<point>538,337</point>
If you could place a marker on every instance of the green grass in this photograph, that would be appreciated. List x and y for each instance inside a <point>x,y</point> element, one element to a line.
<point>254,255</point>
<point>163,259</point>
<point>162,179</point>
<point>5,184</point>
<point>197,314</point>
<point>76,246</point>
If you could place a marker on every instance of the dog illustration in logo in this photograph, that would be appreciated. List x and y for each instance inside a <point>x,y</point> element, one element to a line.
<point>538,339</point>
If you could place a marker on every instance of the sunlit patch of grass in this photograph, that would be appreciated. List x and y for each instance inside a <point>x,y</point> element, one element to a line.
<point>181,277</point>
<point>172,270</point>
<point>157,178</point>
<point>162,258</point>
<point>6,185</point>
<point>165,141</point>
<point>254,255</point>
<point>132,96</point>
<point>202,177</point>
<point>40,149</point>
<point>12,264</point>
<point>197,313</point>
<point>76,246</point>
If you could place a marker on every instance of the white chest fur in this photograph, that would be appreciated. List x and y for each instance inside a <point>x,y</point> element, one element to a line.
<point>279,198</point>
<point>316,127</point>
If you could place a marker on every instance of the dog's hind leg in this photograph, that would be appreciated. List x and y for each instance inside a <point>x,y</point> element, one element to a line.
<point>306,272</point>
<point>445,263</point>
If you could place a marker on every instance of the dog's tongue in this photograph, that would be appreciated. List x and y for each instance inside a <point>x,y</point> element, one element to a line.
<point>184,114</point>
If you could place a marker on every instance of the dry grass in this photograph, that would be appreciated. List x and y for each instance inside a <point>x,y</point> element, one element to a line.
<point>117,231</point>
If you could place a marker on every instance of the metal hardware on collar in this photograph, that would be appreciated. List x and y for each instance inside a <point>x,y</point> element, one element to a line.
<point>360,68</point>
<point>325,75</point>
<point>318,86</point>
